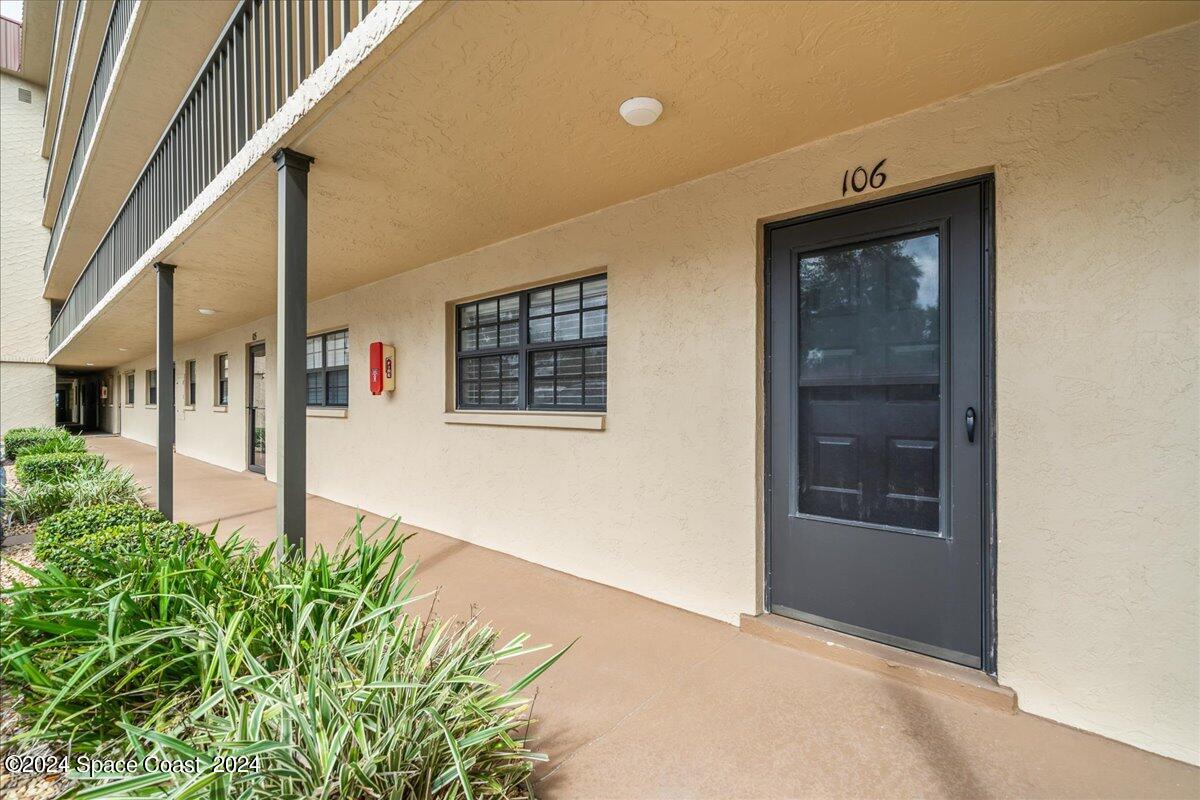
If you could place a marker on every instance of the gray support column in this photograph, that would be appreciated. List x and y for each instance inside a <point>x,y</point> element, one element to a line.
<point>165,341</point>
<point>291,333</point>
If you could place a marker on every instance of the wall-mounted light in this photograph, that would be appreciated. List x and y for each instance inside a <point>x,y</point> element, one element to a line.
<point>641,111</point>
<point>208,312</point>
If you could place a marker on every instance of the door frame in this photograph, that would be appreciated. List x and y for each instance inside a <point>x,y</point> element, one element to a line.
<point>249,451</point>
<point>986,183</point>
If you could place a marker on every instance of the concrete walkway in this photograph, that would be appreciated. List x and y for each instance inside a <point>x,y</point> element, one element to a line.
<point>657,702</point>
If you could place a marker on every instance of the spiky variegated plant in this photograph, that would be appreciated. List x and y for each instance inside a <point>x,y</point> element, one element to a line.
<point>93,484</point>
<point>315,667</point>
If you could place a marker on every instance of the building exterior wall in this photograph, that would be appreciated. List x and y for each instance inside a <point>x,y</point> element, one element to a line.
<point>26,382</point>
<point>26,395</point>
<point>1097,276</point>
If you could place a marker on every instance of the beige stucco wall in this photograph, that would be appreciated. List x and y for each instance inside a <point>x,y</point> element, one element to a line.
<point>26,395</point>
<point>26,383</point>
<point>1097,312</point>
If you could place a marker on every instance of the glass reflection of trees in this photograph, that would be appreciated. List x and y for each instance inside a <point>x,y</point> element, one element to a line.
<point>871,311</point>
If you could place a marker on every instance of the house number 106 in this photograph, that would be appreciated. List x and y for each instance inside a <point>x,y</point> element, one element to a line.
<point>858,180</point>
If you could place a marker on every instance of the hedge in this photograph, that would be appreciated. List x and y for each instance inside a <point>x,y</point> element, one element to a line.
<point>18,441</point>
<point>87,486</point>
<point>122,541</point>
<point>57,532</point>
<point>53,467</point>
<point>64,443</point>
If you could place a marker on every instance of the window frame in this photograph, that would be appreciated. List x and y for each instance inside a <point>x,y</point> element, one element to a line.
<point>221,376</point>
<point>152,386</point>
<point>525,350</point>
<point>189,385</point>
<point>325,370</point>
<point>130,399</point>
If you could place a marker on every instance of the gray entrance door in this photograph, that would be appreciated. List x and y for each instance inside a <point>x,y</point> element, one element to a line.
<point>876,424</point>
<point>256,395</point>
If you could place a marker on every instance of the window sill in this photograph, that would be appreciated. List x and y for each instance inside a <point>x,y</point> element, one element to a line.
<point>220,409</point>
<point>151,405</point>
<point>526,419</point>
<point>330,413</point>
<point>189,408</point>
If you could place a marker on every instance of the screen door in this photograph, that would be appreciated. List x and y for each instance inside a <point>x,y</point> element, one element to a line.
<point>875,422</point>
<point>256,407</point>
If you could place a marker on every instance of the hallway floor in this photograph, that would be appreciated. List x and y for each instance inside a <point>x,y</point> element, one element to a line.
<point>654,701</point>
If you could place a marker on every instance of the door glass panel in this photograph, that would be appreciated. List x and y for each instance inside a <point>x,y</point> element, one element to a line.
<point>869,383</point>
<point>258,407</point>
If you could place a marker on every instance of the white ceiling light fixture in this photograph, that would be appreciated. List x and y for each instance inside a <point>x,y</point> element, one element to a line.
<point>90,364</point>
<point>641,111</point>
<point>123,349</point>
<point>208,312</point>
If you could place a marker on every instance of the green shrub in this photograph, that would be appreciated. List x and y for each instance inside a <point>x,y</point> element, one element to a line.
<point>315,667</point>
<point>63,443</point>
<point>91,485</point>
<point>51,467</point>
<point>58,532</point>
<point>18,440</point>
<point>91,553</point>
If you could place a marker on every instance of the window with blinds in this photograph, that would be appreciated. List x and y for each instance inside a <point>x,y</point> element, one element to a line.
<point>327,358</point>
<point>541,349</point>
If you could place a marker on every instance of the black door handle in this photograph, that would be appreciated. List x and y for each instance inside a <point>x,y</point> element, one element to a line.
<point>971,425</point>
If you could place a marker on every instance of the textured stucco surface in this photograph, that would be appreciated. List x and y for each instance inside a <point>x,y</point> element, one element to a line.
<point>443,128</point>
<point>26,383</point>
<point>1096,310</point>
<point>26,395</point>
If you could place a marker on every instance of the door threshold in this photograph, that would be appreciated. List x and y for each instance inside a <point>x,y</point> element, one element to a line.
<point>914,669</point>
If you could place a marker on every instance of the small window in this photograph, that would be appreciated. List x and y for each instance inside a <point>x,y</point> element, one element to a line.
<point>151,387</point>
<point>543,349</point>
<point>189,396</point>
<point>129,388</point>
<point>221,374</point>
<point>327,360</point>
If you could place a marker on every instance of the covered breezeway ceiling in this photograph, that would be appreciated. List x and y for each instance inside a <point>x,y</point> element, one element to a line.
<point>495,119</point>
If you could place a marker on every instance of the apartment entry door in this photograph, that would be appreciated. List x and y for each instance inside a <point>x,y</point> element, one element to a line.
<point>877,422</point>
<point>256,407</point>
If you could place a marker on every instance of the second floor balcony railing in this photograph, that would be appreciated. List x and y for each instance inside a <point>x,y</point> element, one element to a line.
<point>62,103</point>
<point>114,38</point>
<point>268,48</point>
<point>54,54</point>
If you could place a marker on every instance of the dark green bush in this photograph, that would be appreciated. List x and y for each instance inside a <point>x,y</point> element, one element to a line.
<point>63,443</point>
<point>92,553</point>
<point>58,532</point>
<point>53,467</point>
<point>19,440</point>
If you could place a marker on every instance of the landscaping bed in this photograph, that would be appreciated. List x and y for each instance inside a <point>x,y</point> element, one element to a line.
<point>13,530</point>
<point>24,786</point>
<point>273,675</point>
